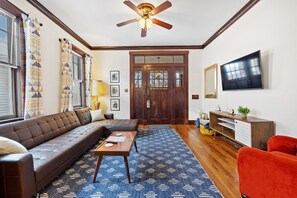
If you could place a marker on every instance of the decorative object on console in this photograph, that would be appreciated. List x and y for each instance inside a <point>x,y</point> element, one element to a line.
<point>114,90</point>
<point>218,108</point>
<point>115,76</point>
<point>204,116</point>
<point>243,110</point>
<point>97,90</point>
<point>146,11</point>
<point>231,111</point>
<point>114,104</point>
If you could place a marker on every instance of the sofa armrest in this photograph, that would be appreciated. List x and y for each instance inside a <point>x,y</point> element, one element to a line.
<point>283,144</point>
<point>17,177</point>
<point>262,174</point>
<point>108,116</point>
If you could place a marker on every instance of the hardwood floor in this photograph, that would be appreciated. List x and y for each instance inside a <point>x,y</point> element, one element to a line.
<point>216,155</point>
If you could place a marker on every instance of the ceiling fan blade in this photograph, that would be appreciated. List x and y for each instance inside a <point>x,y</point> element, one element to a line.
<point>143,32</point>
<point>127,22</point>
<point>161,8</point>
<point>133,7</point>
<point>162,24</point>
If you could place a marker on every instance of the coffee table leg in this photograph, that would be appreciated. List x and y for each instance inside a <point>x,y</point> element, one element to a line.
<point>97,168</point>
<point>127,168</point>
<point>135,146</point>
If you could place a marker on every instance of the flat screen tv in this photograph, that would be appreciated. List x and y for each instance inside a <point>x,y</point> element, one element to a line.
<point>243,73</point>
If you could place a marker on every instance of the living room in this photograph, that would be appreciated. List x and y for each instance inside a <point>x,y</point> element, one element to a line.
<point>256,25</point>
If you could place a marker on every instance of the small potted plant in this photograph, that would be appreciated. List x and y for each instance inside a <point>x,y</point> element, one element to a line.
<point>243,110</point>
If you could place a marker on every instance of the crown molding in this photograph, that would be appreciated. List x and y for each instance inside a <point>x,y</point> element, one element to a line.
<point>239,14</point>
<point>56,20</point>
<point>163,47</point>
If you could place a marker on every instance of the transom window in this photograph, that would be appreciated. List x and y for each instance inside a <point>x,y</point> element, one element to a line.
<point>148,59</point>
<point>77,75</point>
<point>9,66</point>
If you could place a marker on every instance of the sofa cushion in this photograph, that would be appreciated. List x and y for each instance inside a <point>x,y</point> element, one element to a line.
<point>50,156</point>
<point>35,131</point>
<point>97,115</point>
<point>120,125</point>
<point>84,115</point>
<point>8,146</point>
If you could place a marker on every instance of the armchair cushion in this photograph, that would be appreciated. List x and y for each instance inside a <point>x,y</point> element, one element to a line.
<point>283,144</point>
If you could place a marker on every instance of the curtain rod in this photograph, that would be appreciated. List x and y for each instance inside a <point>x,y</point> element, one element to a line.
<point>8,4</point>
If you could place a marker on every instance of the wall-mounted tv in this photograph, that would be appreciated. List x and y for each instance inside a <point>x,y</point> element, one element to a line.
<point>243,73</point>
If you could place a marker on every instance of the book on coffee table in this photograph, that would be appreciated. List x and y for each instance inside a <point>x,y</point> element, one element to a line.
<point>114,139</point>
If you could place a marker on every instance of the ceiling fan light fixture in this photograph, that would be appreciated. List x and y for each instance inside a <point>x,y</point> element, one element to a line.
<point>145,23</point>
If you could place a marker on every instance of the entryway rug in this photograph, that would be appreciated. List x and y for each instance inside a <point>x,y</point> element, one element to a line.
<point>164,167</point>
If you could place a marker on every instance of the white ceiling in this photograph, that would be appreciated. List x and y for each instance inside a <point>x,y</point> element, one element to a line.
<point>194,21</point>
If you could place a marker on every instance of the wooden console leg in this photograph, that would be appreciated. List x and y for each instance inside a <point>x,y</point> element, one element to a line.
<point>97,168</point>
<point>135,146</point>
<point>127,168</point>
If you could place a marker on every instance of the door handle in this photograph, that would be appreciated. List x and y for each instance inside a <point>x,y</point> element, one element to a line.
<point>148,104</point>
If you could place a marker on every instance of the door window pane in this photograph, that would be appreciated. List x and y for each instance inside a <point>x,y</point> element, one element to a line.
<point>158,79</point>
<point>179,78</point>
<point>138,79</point>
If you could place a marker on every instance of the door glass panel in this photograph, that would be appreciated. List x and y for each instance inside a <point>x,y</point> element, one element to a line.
<point>158,79</point>
<point>138,79</point>
<point>179,78</point>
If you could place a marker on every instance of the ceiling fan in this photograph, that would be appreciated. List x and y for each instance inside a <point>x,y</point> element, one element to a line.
<point>146,11</point>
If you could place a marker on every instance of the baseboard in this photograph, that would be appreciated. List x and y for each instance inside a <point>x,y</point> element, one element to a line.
<point>192,122</point>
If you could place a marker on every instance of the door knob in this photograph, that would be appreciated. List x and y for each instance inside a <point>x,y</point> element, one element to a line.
<point>148,104</point>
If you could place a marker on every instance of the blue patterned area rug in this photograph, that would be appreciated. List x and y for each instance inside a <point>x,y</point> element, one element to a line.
<point>164,167</point>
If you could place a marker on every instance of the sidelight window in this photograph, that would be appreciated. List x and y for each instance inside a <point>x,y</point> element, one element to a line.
<point>179,78</point>
<point>138,79</point>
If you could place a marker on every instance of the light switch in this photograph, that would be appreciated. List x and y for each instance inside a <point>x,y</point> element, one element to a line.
<point>126,90</point>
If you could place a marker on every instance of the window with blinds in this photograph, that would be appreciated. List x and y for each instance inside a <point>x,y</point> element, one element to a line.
<point>77,75</point>
<point>9,64</point>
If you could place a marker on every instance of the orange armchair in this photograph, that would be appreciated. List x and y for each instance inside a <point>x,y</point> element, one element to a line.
<point>270,174</point>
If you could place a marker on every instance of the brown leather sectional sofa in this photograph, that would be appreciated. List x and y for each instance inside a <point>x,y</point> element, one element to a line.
<point>54,142</point>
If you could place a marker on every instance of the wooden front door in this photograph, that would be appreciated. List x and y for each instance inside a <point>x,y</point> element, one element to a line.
<point>159,92</point>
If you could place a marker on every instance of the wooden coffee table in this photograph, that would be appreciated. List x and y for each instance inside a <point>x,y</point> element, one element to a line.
<point>118,149</point>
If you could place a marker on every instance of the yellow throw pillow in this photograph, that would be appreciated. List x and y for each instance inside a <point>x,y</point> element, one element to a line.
<point>8,146</point>
<point>97,115</point>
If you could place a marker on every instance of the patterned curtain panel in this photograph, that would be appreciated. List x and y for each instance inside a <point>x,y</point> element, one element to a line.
<point>66,76</point>
<point>88,66</point>
<point>34,89</point>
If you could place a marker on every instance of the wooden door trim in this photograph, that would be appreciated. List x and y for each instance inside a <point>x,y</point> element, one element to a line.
<point>185,65</point>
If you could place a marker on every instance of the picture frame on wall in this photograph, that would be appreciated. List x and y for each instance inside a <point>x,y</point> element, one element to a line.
<point>114,104</point>
<point>114,90</point>
<point>114,76</point>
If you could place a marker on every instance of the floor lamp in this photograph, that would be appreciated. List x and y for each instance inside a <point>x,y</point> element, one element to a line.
<point>97,90</point>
